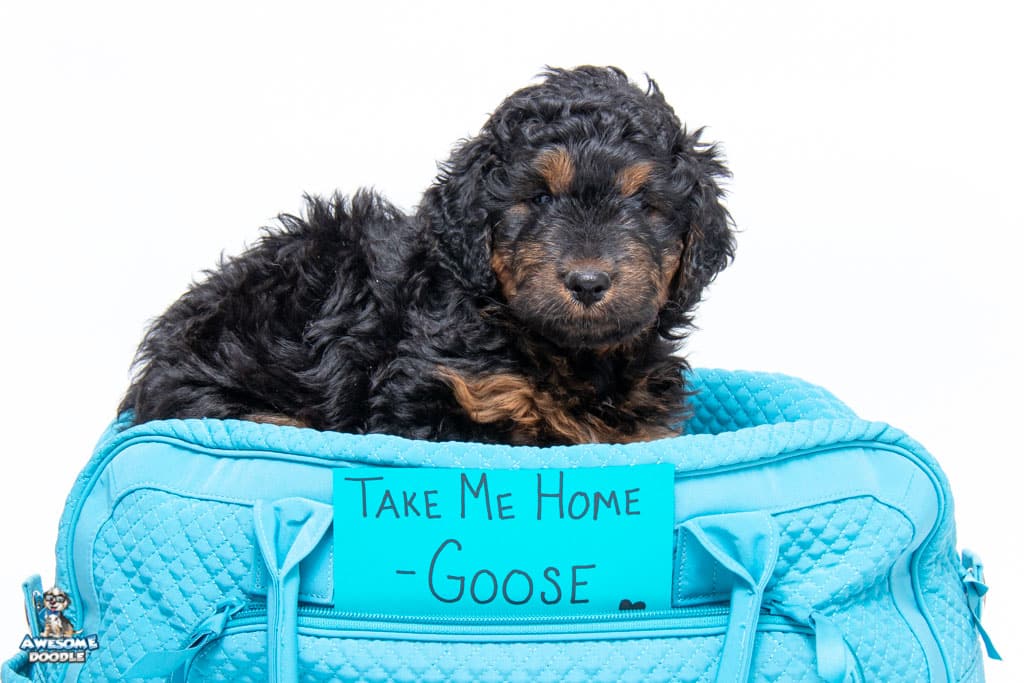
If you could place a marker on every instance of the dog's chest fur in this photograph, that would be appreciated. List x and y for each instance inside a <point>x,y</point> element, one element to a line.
<point>57,625</point>
<point>593,399</point>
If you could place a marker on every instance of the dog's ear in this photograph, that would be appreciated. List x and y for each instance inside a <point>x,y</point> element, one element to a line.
<point>460,214</point>
<point>708,239</point>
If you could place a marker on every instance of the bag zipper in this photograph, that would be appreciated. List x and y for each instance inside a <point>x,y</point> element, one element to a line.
<point>312,620</point>
<point>236,617</point>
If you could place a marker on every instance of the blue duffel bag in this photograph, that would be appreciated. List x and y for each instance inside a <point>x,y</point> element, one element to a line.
<point>781,538</point>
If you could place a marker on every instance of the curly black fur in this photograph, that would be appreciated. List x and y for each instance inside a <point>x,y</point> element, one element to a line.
<point>463,321</point>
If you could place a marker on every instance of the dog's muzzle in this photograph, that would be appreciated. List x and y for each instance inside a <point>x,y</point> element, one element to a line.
<point>587,286</point>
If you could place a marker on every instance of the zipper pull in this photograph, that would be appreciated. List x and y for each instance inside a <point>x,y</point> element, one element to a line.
<point>176,663</point>
<point>835,661</point>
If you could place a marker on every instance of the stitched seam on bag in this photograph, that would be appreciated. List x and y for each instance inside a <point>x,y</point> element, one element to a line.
<point>970,672</point>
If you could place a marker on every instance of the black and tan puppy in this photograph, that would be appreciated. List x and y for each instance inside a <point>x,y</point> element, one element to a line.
<point>536,296</point>
<point>55,624</point>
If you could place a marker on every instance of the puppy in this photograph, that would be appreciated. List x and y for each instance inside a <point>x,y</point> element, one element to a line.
<point>55,624</point>
<point>536,296</point>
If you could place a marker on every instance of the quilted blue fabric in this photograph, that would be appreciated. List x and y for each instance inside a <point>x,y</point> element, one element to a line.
<point>866,583</point>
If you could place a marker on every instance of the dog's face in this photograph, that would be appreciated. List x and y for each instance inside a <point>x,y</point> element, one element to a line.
<point>588,207</point>
<point>587,251</point>
<point>56,600</point>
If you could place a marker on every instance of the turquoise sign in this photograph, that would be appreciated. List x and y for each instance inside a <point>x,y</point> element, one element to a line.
<point>479,543</point>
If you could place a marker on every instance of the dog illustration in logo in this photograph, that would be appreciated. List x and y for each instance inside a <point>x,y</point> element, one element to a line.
<point>55,624</point>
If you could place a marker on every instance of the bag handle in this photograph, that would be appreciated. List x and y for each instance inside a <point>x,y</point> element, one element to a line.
<point>746,545</point>
<point>287,530</point>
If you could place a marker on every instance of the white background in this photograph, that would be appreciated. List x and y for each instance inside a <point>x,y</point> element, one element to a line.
<point>877,152</point>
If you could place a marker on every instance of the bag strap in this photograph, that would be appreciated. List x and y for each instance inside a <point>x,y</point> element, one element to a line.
<point>746,545</point>
<point>32,589</point>
<point>287,530</point>
<point>972,573</point>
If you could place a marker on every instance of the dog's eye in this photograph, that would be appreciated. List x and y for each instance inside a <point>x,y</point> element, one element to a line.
<point>542,199</point>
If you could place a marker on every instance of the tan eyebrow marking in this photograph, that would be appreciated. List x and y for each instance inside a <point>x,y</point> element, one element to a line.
<point>632,178</point>
<point>557,169</point>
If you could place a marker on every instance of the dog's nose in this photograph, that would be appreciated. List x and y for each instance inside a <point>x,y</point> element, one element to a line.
<point>587,286</point>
